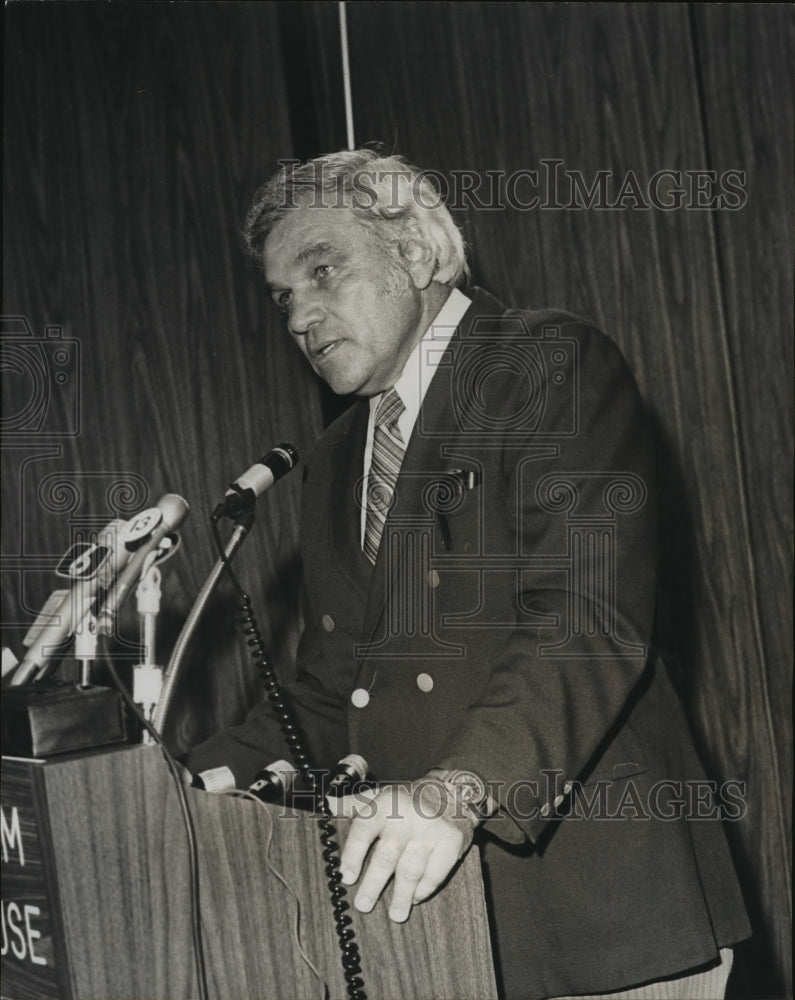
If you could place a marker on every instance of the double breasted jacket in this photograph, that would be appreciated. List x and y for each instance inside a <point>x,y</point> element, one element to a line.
<point>507,629</point>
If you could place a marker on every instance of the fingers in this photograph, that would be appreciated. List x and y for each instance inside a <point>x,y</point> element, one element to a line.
<point>363,831</point>
<point>382,865</point>
<point>410,871</point>
<point>441,862</point>
<point>420,852</point>
<point>419,866</point>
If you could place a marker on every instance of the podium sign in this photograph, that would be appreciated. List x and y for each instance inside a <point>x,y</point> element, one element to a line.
<point>33,954</point>
<point>97,897</point>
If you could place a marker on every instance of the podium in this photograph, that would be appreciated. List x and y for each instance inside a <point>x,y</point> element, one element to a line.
<point>96,897</point>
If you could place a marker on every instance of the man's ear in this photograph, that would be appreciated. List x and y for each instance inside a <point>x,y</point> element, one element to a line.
<point>419,256</point>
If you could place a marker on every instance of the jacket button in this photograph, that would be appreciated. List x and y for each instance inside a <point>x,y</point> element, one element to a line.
<point>327,622</point>
<point>360,698</point>
<point>559,800</point>
<point>546,809</point>
<point>425,682</point>
<point>433,579</point>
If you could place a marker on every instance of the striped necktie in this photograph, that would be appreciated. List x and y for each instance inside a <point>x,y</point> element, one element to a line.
<point>388,448</point>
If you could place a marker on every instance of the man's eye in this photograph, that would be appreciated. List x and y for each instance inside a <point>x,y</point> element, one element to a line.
<point>323,270</point>
<point>283,299</point>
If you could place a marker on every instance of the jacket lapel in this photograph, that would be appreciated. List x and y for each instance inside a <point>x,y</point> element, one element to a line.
<point>435,433</point>
<point>344,498</point>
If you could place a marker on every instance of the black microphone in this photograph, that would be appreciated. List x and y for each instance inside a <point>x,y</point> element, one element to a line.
<point>173,510</point>
<point>91,566</point>
<point>348,775</point>
<point>273,782</point>
<point>243,492</point>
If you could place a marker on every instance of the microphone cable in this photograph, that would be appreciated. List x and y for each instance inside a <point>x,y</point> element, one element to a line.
<point>187,818</point>
<point>346,937</point>
<point>239,793</point>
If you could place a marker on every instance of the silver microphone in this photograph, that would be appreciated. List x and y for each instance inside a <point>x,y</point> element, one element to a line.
<point>112,554</point>
<point>243,492</point>
<point>173,510</point>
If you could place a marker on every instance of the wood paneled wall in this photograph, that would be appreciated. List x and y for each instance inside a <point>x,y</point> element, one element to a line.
<point>135,136</point>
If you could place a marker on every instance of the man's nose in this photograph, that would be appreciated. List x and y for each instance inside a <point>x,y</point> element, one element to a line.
<point>305,312</point>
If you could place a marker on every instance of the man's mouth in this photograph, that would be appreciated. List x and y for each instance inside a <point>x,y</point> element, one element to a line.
<point>324,350</point>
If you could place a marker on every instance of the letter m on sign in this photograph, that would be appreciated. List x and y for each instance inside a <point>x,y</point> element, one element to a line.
<point>12,837</point>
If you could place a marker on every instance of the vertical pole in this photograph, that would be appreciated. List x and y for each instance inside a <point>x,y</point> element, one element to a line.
<point>346,76</point>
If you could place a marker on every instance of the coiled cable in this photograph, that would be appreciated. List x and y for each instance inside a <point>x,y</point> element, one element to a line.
<point>349,949</point>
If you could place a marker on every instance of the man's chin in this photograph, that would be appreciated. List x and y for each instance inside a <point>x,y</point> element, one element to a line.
<point>343,384</point>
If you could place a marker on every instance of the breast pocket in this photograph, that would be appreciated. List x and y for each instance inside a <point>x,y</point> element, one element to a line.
<point>622,758</point>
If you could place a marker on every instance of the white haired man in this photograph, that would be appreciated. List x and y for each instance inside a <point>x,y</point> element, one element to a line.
<point>479,547</point>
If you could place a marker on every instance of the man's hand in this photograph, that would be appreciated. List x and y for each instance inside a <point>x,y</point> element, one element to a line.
<point>421,832</point>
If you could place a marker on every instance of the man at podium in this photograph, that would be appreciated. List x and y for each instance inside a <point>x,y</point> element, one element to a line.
<point>479,550</point>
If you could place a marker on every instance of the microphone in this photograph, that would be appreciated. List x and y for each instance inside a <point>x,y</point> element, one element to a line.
<point>347,775</point>
<point>243,492</point>
<point>90,566</point>
<point>273,782</point>
<point>172,510</point>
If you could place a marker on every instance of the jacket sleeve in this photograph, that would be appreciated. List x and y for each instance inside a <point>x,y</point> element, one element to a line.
<point>258,741</point>
<point>555,695</point>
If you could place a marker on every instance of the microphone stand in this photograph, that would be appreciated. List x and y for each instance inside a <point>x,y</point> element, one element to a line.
<point>243,524</point>
<point>85,647</point>
<point>147,675</point>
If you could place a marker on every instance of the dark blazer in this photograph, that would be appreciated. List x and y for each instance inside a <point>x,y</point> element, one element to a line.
<point>506,628</point>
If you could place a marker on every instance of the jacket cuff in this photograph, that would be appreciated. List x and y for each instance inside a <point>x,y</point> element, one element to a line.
<point>524,807</point>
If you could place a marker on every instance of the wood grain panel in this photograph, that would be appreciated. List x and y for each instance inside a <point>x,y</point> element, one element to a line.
<point>122,868</point>
<point>751,127</point>
<point>135,138</point>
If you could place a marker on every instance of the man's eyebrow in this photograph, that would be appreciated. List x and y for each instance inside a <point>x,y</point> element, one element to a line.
<point>312,251</point>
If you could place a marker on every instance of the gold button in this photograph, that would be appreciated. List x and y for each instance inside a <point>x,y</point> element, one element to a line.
<point>425,682</point>
<point>360,698</point>
<point>546,809</point>
<point>433,579</point>
<point>327,622</point>
<point>559,800</point>
<point>567,787</point>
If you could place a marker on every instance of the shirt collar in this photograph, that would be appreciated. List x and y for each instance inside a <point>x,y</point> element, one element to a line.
<point>413,381</point>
